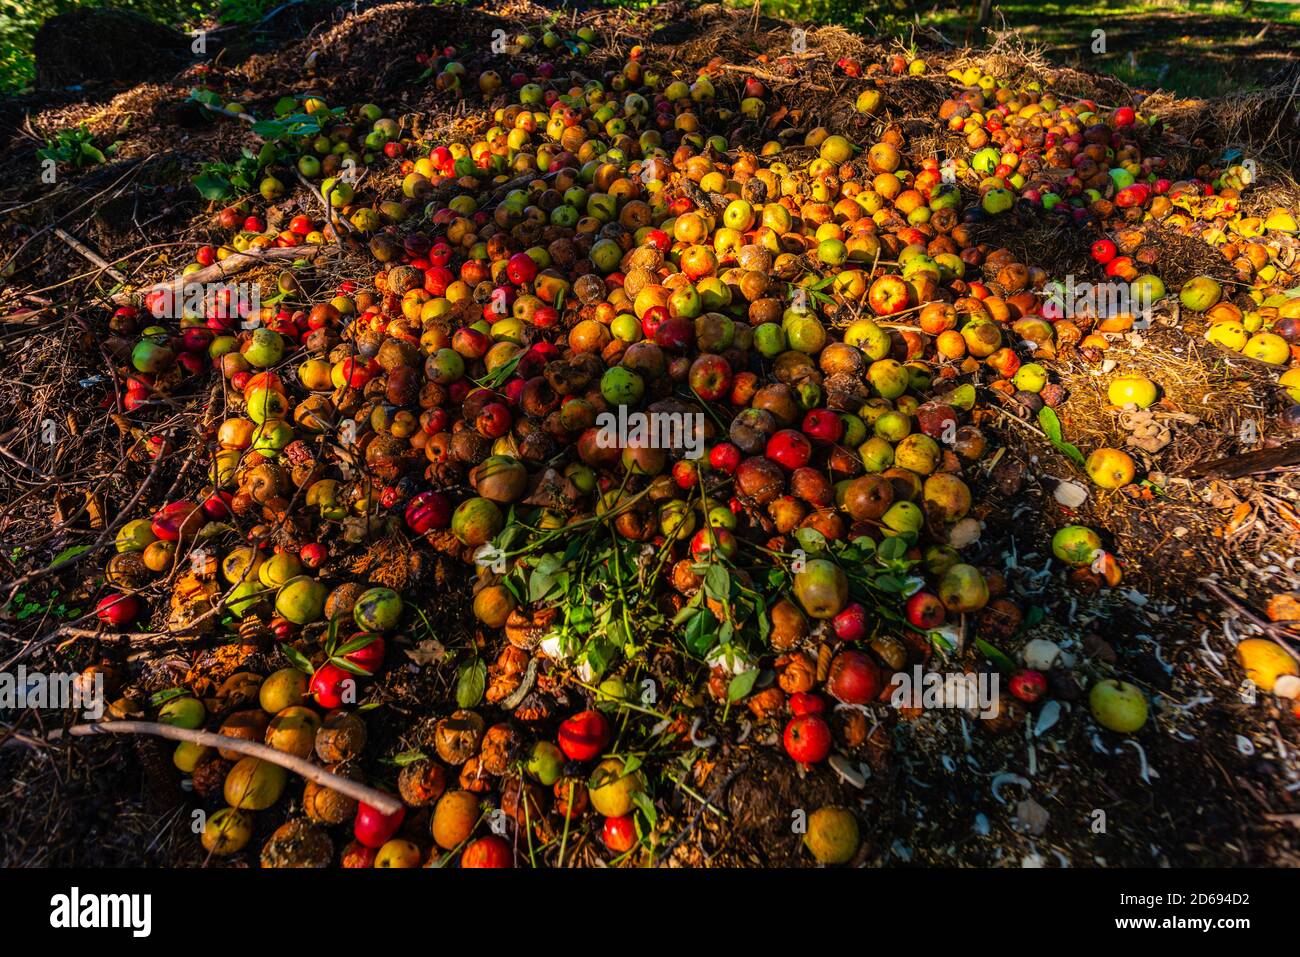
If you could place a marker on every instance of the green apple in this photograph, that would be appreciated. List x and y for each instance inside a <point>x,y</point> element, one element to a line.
<point>869,337</point>
<point>264,348</point>
<point>889,377</point>
<point>769,340</point>
<point>903,518</point>
<point>1030,377</point>
<point>183,712</point>
<point>301,600</point>
<point>877,454</point>
<point>545,764</point>
<point>1118,706</point>
<point>621,386</point>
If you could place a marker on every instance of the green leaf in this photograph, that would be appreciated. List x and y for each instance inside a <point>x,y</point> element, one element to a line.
<point>1051,426</point>
<point>167,694</point>
<point>408,757</point>
<point>540,585</point>
<point>811,540</point>
<point>741,685</point>
<point>352,667</point>
<point>298,659</point>
<point>717,583</point>
<point>206,97</point>
<point>95,154</point>
<point>701,633</point>
<point>688,611</point>
<point>471,683</point>
<point>212,187</point>
<point>892,549</point>
<point>647,808</point>
<point>599,655</point>
<point>68,554</point>
<point>363,640</point>
<point>1050,422</point>
<point>999,660</point>
<point>269,129</point>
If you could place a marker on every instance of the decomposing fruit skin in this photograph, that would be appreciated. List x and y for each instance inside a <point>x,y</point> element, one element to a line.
<point>341,737</point>
<point>457,737</point>
<point>325,805</point>
<point>298,843</point>
<point>227,832</point>
<point>1264,662</point>
<point>378,609</point>
<point>422,782</point>
<point>832,836</point>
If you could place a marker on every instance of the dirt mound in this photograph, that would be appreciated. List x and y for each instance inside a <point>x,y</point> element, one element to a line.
<point>375,50</point>
<point>106,46</point>
<point>1262,123</point>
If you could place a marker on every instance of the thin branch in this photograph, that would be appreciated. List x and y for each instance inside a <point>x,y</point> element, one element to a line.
<point>381,801</point>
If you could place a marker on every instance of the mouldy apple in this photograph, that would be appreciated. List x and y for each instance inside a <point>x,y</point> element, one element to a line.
<point>832,835</point>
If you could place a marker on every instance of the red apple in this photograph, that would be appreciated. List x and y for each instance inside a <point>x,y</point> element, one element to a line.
<point>925,611</point>
<point>789,448</point>
<point>715,539</point>
<point>1103,251</point>
<point>117,609</point>
<point>372,827</point>
<point>854,678</point>
<point>428,511</point>
<point>710,377</point>
<point>888,295</point>
<point>851,623</point>
<point>806,702</point>
<point>585,735</point>
<point>329,685</point>
<point>724,457</point>
<point>490,852</point>
<point>620,833</point>
<point>1028,685</point>
<point>686,474</point>
<point>823,426</point>
<point>807,738</point>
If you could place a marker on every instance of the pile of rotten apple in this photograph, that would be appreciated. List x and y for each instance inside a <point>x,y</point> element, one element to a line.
<point>823,314</point>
